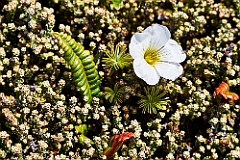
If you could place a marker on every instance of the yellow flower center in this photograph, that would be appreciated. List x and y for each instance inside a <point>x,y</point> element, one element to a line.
<point>151,56</point>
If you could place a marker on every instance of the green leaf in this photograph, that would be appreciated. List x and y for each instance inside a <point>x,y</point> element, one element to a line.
<point>117,59</point>
<point>114,96</point>
<point>118,4</point>
<point>82,65</point>
<point>152,100</point>
<point>83,138</point>
<point>82,130</point>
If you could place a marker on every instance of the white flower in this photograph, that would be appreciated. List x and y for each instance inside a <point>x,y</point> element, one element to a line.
<point>156,55</point>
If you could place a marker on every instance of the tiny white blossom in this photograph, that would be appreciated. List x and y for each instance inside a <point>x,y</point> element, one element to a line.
<point>156,55</point>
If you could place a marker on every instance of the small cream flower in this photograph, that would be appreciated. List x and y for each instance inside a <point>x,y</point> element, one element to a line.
<point>156,55</point>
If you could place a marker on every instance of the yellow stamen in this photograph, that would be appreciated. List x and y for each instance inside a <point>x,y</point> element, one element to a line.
<point>151,56</point>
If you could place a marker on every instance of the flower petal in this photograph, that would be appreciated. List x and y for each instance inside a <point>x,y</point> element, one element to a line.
<point>146,72</point>
<point>169,70</point>
<point>138,43</point>
<point>172,52</point>
<point>160,35</point>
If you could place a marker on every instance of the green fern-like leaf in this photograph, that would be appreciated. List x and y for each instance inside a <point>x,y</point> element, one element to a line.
<point>82,66</point>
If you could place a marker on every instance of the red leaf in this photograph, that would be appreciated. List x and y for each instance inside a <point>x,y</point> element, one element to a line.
<point>116,142</point>
<point>223,89</point>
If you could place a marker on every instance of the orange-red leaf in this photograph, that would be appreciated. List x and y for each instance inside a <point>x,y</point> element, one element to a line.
<point>116,142</point>
<point>230,95</point>
<point>223,89</point>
